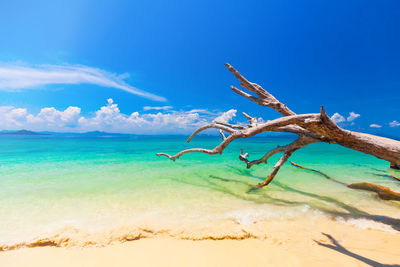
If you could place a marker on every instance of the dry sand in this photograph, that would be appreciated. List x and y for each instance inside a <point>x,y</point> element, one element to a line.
<point>291,243</point>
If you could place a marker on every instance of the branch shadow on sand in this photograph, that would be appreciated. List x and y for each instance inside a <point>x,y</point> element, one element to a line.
<point>335,245</point>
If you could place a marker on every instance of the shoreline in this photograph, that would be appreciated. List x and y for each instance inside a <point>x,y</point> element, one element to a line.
<point>286,243</point>
<point>225,229</point>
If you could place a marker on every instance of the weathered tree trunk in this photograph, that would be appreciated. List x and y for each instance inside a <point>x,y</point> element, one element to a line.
<point>310,128</point>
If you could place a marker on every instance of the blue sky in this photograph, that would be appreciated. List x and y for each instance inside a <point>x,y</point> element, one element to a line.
<point>98,63</point>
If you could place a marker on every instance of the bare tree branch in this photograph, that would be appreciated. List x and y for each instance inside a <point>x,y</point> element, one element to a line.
<point>301,131</point>
<point>310,128</point>
<point>382,191</point>
<point>264,98</point>
<point>316,171</point>
<point>298,143</point>
<point>275,169</point>
<point>252,121</point>
<point>210,126</point>
<point>191,150</point>
<point>243,133</point>
<point>233,126</point>
<point>222,134</point>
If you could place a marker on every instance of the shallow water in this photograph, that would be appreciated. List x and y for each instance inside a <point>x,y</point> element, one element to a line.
<point>49,184</point>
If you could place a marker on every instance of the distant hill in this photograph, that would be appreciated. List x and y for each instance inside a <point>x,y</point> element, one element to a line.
<point>105,134</point>
<point>99,133</point>
<point>87,134</point>
<point>22,132</point>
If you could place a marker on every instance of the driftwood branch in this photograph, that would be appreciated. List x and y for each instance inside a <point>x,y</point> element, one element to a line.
<point>300,142</point>
<point>382,191</point>
<point>243,133</point>
<point>310,128</point>
<point>210,126</point>
<point>275,169</point>
<point>222,134</point>
<point>263,97</point>
<point>233,126</point>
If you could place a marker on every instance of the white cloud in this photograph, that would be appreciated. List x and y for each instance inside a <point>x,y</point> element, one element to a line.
<point>375,126</point>
<point>394,124</point>
<point>46,119</point>
<point>352,116</point>
<point>16,77</point>
<point>226,116</point>
<point>145,108</point>
<point>204,111</point>
<point>337,118</point>
<point>108,119</point>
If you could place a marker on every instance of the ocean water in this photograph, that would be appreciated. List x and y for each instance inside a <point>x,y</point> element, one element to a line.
<point>74,187</point>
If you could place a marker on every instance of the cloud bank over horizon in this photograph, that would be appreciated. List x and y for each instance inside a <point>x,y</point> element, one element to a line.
<point>16,77</point>
<point>109,119</point>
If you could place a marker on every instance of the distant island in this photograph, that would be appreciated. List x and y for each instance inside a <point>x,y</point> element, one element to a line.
<point>22,132</point>
<point>86,134</point>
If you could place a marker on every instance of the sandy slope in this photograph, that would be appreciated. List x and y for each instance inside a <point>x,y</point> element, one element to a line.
<point>288,244</point>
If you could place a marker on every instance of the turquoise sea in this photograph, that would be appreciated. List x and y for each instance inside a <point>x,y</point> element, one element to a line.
<point>60,186</point>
